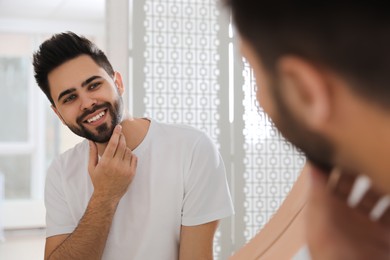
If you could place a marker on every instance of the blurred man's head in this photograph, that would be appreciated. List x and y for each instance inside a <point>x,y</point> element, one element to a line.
<point>301,53</point>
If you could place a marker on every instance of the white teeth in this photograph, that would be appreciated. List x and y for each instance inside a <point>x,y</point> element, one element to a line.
<point>98,116</point>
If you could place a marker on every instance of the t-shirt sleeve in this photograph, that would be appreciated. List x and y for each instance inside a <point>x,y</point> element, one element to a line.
<point>206,191</point>
<point>58,217</point>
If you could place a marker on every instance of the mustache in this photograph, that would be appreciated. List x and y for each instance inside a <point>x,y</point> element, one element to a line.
<point>86,113</point>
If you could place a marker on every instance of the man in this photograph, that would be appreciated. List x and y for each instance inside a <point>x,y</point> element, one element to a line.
<point>138,189</point>
<point>322,76</point>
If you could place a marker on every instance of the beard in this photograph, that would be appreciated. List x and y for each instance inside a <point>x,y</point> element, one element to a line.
<point>317,149</point>
<point>103,131</point>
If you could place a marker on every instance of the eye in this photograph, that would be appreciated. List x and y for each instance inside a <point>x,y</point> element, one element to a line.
<point>69,98</point>
<point>94,85</point>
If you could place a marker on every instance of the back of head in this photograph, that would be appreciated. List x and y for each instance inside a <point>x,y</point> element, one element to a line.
<point>350,38</point>
<point>61,48</point>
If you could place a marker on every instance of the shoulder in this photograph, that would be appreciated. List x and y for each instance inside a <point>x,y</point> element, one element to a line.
<point>75,153</point>
<point>186,140</point>
<point>76,156</point>
<point>179,131</point>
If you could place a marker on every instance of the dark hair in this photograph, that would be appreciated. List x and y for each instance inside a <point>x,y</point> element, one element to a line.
<point>60,48</point>
<point>351,38</point>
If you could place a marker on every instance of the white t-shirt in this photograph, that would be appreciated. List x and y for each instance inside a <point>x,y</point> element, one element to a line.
<point>180,180</point>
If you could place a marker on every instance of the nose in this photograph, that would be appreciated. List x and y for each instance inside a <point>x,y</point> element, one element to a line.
<point>87,102</point>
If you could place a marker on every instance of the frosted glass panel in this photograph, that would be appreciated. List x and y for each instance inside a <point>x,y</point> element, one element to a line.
<point>13,99</point>
<point>16,170</point>
<point>181,63</point>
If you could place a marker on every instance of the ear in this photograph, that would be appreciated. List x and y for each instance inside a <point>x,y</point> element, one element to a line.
<point>118,82</point>
<point>58,114</point>
<point>306,90</point>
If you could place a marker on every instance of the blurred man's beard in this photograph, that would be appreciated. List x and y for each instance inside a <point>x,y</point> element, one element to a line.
<point>316,148</point>
<point>103,131</point>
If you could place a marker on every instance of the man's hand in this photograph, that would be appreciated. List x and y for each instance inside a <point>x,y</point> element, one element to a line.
<point>114,172</point>
<point>337,231</point>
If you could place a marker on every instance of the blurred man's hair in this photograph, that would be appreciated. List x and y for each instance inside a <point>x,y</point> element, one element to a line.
<point>350,38</point>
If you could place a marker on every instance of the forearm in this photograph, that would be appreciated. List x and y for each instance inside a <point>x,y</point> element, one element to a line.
<point>89,238</point>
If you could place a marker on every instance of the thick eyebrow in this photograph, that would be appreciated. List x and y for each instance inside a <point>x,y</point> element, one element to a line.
<point>89,80</point>
<point>83,84</point>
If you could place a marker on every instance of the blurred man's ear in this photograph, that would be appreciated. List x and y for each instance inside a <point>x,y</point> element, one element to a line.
<point>305,90</point>
<point>58,114</point>
<point>118,82</point>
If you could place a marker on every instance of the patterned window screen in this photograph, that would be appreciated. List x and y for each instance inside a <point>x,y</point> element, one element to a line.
<point>271,163</point>
<point>180,63</point>
<point>180,57</point>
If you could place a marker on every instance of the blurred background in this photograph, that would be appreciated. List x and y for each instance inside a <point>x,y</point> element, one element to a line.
<point>180,63</point>
<point>30,133</point>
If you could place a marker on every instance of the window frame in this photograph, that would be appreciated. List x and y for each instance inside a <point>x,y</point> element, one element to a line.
<point>16,210</point>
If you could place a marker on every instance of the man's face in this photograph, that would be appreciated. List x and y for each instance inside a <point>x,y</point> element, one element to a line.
<point>86,98</point>
<point>317,148</point>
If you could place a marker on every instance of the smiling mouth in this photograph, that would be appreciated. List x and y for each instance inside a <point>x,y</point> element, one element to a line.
<point>96,118</point>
